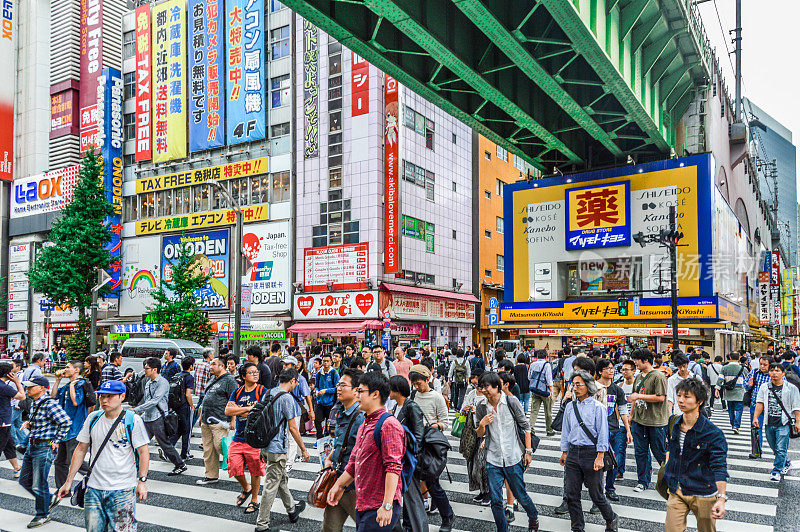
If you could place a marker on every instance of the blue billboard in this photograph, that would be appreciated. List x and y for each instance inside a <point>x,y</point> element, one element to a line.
<point>244,71</point>
<point>207,74</point>
<point>211,252</point>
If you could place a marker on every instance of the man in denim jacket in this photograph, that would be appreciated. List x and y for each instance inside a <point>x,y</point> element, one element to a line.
<point>696,471</point>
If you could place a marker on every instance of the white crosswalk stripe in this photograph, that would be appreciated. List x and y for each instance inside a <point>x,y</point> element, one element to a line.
<point>178,503</point>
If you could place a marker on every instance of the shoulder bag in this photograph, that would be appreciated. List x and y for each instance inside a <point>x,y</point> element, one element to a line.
<point>326,478</point>
<point>609,461</point>
<point>793,433</point>
<point>79,492</point>
<point>536,388</point>
<point>170,422</point>
<point>731,384</point>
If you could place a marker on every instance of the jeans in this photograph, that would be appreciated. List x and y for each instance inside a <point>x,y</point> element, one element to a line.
<point>735,409</point>
<point>514,476</point>
<point>538,402</point>
<point>618,440</point>
<point>184,430</point>
<point>439,497</point>
<point>526,400</point>
<point>457,391</point>
<point>33,476</point>
<point>367,521</point>
<point>109,510</point>
<point>578,472</point>
<point>778,439</point>
<point>646,439</point>
<point>63,460</point>
<point>155,429</point>
<point>20,436</point>
<point>760,423</point>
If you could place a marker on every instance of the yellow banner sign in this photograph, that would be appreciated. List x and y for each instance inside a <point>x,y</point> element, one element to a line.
<point>201,175</point>
<point>169,75</point>
<point>199,220</point>
<point>608,310</point>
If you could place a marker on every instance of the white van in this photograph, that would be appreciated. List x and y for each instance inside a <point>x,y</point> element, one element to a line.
<point>135,350</point>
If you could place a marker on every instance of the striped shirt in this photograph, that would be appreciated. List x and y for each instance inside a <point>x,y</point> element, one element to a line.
<point>110,372</point>
<point>759,378</point>
<point>48,420</point>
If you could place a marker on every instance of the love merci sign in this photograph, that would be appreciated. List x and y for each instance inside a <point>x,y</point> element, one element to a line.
<point>336,306</point>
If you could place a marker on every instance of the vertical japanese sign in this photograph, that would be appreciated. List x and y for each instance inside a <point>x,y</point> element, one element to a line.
<point>245,70</point>
<point>206,109</point>
<point>391,154</point>
<point>359,85</point>
<point>91,68</point>
<point>7,90</point>
<point>763,298</point>
<point>143,83</point>
<point>310,90</point>
<point>788,296</point>
<point>169,65</point>
<point>109,142</point>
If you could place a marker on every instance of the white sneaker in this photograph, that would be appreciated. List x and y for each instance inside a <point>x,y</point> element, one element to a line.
<point>639,488</point>
<point>775,477</point>
<point>786,469</point>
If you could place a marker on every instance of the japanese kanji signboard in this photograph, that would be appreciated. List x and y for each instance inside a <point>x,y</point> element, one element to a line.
<point>359,85</point>
<point>206,72</point>
<point>201,175</point>
<point>169,68</point>
<point>310,90</point>
<point>8,88</point>
<point>256,213</point>
<point>246,92</point>
<point>143,83</point>
<point>598,216</point>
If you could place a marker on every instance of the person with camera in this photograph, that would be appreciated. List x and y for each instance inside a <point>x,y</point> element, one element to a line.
<point>780,400</point>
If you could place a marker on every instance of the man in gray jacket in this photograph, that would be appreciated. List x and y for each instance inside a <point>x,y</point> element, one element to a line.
<point>153,408</point>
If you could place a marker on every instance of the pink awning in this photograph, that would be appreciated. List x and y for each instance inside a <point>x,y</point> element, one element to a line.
<point>430,292</point>
<point>335,326</point>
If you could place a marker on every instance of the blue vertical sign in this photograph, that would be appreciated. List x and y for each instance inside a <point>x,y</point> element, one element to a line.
<point>109,142</point>
<point>207,74</point>
<point>244,69</point>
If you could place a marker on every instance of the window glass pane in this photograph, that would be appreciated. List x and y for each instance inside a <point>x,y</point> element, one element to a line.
<point>255,190</point>
<point>335,206</point>
<point>499,224</point>
<point>350,238</point>
<point>276,5</point>
<point>336,149</point>
<point>334,92</point>
<point>334,195</point>
<point>335,138</point>
<point>280,187</point>
<point>319,241</point>
<point>334,65</point>
<point>335,104</point>
<point>335,121</point>
<point>335,160</point>
<point>335,180</point>
<point>334,47</point>
<point>408,117</point>
<point>335,233</point>
<point>244,194</point>
<point>419,123</point>
<point>335,81</point>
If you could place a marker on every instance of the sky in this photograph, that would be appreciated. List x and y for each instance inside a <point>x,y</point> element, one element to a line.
<point>770,72</point>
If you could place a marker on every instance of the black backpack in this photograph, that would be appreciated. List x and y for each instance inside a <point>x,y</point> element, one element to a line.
<point>261,427</point>
<point>432,457</point>
<point>135,389</point>
<point>89,397</point>
<point>177,392</point>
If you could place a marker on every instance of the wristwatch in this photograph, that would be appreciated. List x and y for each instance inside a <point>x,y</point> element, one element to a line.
<point>722,496</point>
<point>387,506</point>
<point>529,451</point>
<point>142,479</point>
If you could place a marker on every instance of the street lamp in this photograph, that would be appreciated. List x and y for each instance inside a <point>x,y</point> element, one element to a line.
<point>237,319</point>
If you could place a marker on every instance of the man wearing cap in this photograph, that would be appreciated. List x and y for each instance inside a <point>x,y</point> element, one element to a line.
<point>48,424</point>
<point>119,474</point>
<point>302,396</point>
<point>72,398</point>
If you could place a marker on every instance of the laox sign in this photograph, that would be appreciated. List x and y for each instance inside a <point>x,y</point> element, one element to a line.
<point>336,305</point>
<point>47,187</point>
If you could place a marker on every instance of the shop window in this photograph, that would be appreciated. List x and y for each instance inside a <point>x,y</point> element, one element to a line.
<point>182,200</point>
<point>598,278</point>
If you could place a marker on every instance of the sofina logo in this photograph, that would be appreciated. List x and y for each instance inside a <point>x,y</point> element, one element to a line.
<point>599,216</point>
<point>262,271</point>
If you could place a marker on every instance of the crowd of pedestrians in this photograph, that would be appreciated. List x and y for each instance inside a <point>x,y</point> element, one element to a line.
<point>383,420</point>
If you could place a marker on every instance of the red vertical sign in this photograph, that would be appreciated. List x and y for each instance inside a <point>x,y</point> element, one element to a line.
<point>359,85</point>
<point>391,154</point>
<point>91,69</point>
<point>143,65</point>
<point>7,88</point>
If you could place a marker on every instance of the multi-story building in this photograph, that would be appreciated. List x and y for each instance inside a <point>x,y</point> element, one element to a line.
<point>384,206</point>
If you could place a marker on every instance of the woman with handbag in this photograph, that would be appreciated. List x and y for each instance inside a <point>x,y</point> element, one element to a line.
<point>585,452</point>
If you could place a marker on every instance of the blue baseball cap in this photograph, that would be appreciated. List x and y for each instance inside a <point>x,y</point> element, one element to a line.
<point>112,388</point>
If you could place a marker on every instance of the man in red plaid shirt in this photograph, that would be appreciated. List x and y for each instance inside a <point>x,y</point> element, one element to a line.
<point>379,491</point>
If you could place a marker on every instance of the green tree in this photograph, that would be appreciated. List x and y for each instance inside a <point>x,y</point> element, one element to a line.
<point>66,270</point>
<point>176,305</point>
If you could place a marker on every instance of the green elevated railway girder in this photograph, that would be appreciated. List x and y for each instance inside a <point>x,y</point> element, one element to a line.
<point>570,83</point>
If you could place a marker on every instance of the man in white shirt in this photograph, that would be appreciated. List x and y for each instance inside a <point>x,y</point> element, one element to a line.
<point>682,363</point>
<point>120,467</point>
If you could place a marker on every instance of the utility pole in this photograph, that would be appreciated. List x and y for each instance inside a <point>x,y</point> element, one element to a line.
<point>673,274</point>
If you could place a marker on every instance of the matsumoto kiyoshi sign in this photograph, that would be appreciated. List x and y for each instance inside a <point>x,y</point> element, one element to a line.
<point>211,252</point>
<point>598,216</point>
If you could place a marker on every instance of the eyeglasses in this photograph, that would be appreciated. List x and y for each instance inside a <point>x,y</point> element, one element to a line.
<point>253,373</point>
<point>343,385</point>
<point>359,390</point>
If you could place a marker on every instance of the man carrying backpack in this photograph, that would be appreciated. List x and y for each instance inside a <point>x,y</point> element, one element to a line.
<point>458,377</point>
<point>731,383</point>
<point>375,468</point>
<point>170,368</point>
<point>180,401</point>
<point>119,465</point>
<point>325,391</point>
<point>75,398</point>
<point>279,415</point>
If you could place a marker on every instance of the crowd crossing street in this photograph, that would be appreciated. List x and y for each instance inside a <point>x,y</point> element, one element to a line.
<point>178,503</point>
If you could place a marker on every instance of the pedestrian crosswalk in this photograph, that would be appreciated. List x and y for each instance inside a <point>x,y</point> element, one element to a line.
<point>178,503</point>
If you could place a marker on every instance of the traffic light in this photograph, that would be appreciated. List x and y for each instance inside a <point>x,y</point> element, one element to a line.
<point>623,306</point>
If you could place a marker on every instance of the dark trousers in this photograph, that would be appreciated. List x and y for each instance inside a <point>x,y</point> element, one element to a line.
<point>646,439</point>
<point>439,497</point>
<point>735,409</point>
<point>578,472</point>
<point>184,430</point>
<point>155,429</point>
<point>367,521</point>
<point>457,391</point>
<point>7,446</point>
<point>63,460</point>
<point>321,413</point>
<point>618,440</point>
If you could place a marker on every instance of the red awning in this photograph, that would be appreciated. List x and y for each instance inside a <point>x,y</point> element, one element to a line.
<point>334,326</point>
<point>430,292</point>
